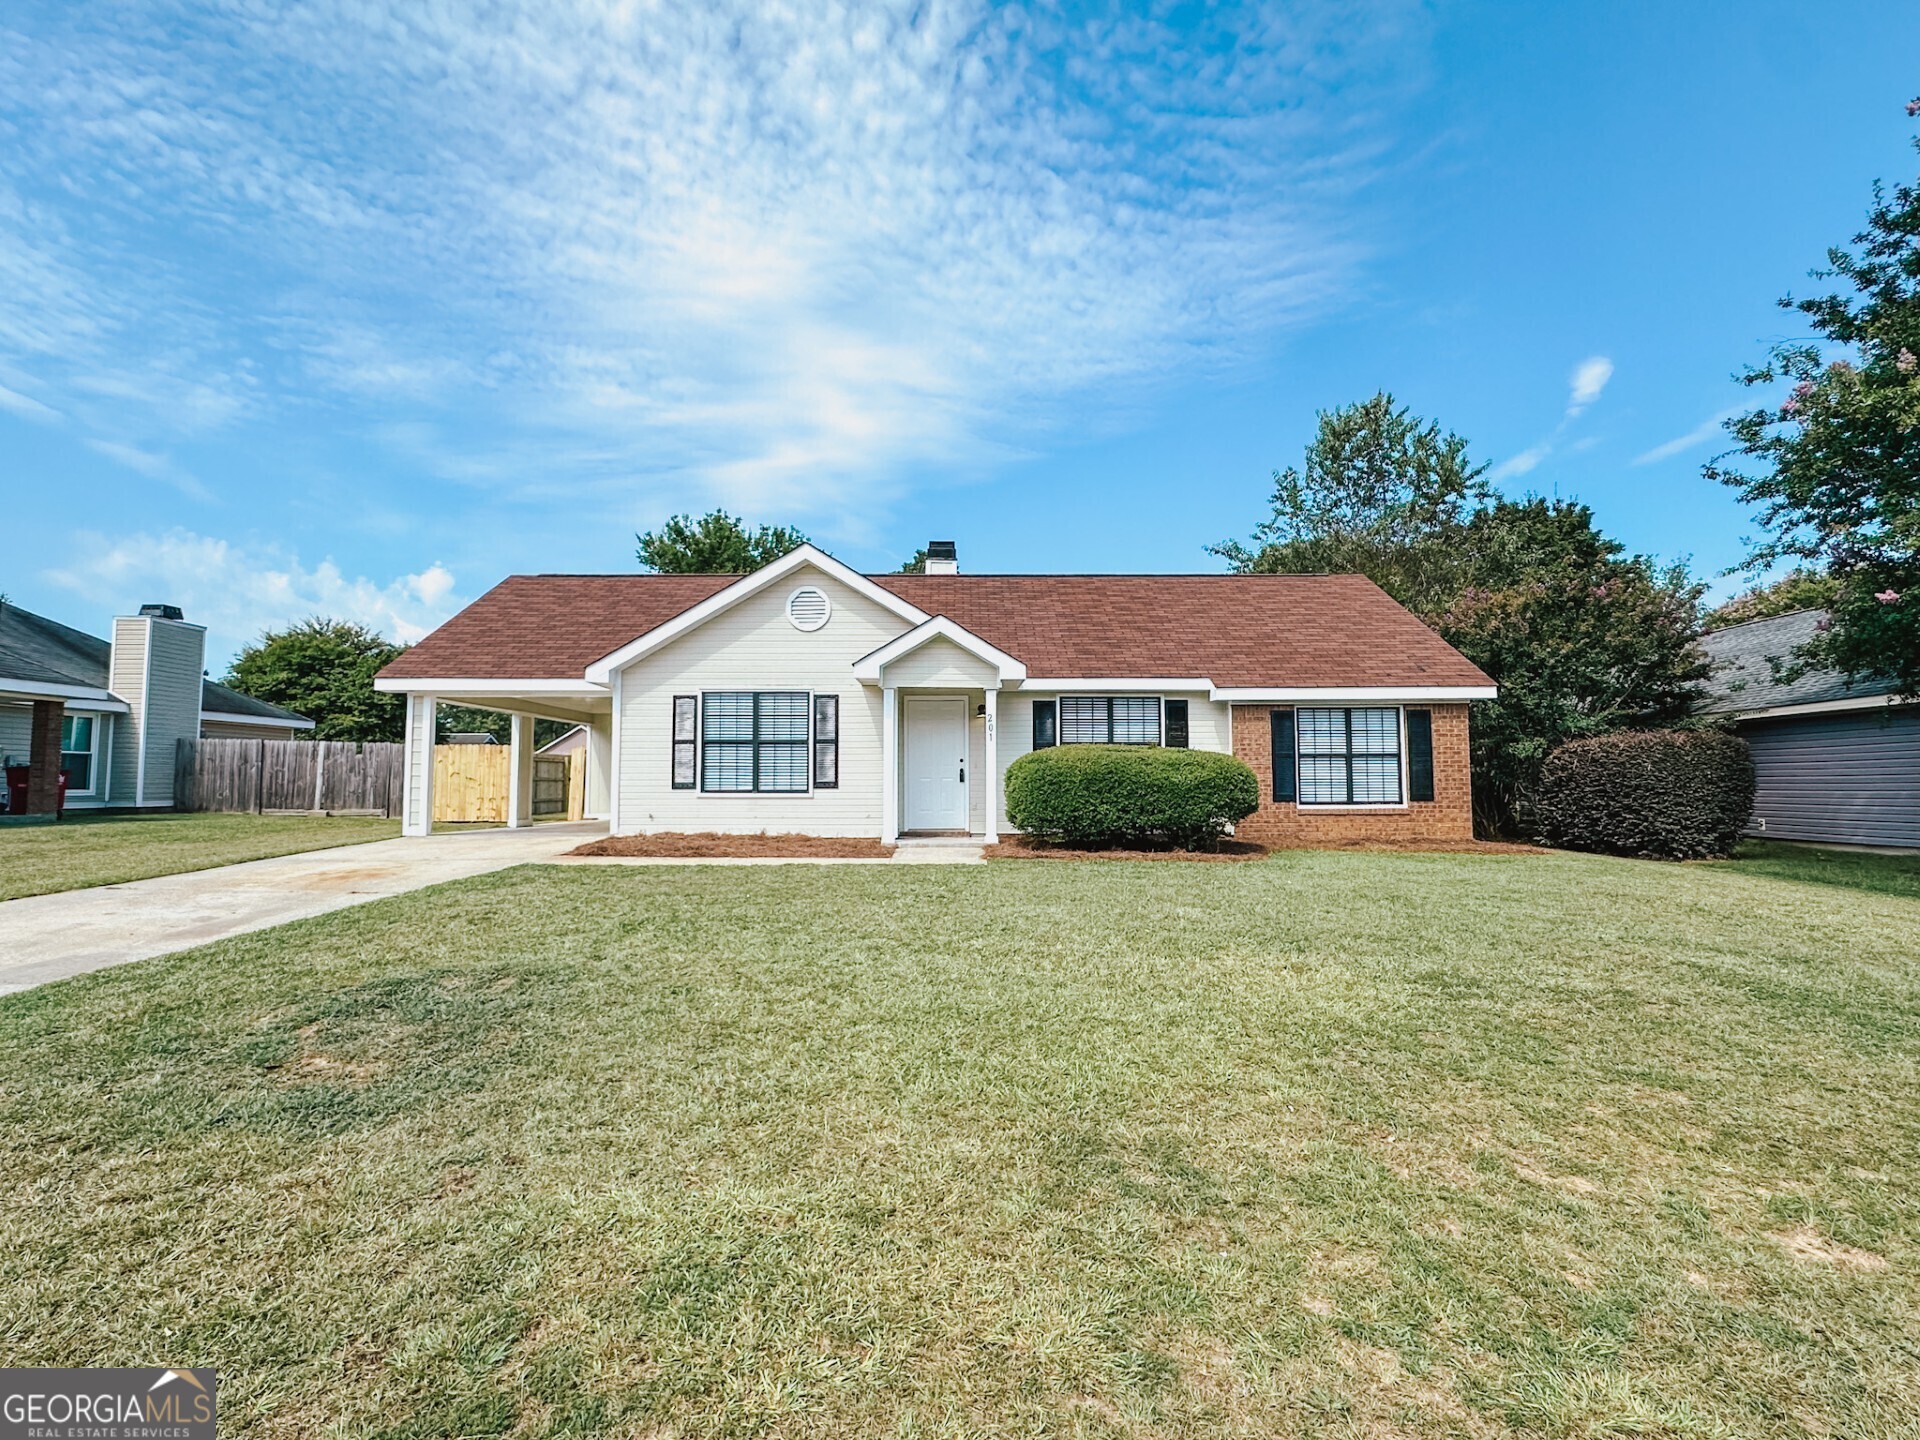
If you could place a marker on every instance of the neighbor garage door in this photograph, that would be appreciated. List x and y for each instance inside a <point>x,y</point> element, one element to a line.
<point>1851,778</point>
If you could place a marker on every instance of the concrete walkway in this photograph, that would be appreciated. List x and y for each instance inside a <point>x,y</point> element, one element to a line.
<point>49,937</point>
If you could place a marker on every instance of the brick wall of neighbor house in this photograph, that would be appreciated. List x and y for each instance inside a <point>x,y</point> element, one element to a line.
<point>1448,817</point>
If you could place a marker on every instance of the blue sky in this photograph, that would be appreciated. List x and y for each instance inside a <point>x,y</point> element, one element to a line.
<point>331,312</point>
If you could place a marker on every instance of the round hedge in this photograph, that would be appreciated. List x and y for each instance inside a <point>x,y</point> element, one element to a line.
<point>1099,796</point>
<point>1663,794</point>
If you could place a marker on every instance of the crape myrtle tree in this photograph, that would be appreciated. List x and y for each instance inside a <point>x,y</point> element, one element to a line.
<point>715,544</point>
<point>1580,636</point>
<point>1834,467</point>
<point>1798,589</point>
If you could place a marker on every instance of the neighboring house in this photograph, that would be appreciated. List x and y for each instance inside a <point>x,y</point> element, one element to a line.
<point>119,705</point>
<point>570,742</point>
<point>1835,760</point>
<point>807,697</point>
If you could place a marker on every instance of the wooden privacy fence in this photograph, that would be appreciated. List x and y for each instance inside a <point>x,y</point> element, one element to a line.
<point>471,783</point>
<point>336,776</point>
<point>346,777</point>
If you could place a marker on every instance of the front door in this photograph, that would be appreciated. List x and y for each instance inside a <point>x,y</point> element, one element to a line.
<point>935,748</point>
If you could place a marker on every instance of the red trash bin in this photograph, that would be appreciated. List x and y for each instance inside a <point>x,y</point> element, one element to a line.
<point>17,790</point>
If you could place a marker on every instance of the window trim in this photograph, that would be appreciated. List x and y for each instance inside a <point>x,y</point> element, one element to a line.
<point>1325,807</point>
<point>755,792</point>
<point>92,753</point>
<point>1159,742</point>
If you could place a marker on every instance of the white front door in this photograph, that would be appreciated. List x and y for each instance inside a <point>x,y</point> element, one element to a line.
<point>935,746</point>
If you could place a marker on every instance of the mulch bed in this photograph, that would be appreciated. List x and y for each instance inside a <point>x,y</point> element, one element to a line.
<point>707,845</point>
<point>1020,848</point>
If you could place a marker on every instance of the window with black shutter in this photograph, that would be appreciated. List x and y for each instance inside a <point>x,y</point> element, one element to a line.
<point>1419,754</point>
<point>686,728</point>
<point>826,742</point>
<point>1176,725</point>
<point>754,741</point>
<point>1046,726</point>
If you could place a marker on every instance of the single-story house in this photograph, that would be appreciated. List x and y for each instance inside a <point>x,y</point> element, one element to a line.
<point>568,742</point>
<point>806,697</point>
<point>1837,760</point>
<point>112,710</point>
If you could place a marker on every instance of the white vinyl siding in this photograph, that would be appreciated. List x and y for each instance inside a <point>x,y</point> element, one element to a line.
<point>127,678</point>
<point>753,647</point>
<point>940,665</point>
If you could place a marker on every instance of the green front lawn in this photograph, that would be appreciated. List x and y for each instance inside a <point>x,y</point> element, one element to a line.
<point>1334,1144</point>
<point>84,850</point>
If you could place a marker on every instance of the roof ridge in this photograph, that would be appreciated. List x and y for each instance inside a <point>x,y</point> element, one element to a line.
<point>1769,619</point>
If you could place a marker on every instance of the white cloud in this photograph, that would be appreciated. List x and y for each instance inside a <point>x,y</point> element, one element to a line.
<point>1590,377</point>
<point>26,406</point>
<point>1708,429</point>
<point>153,465</point>
<point>239,591</point>
<point>792,253</point>
<point>1520,464</point>
<point>1584,386</point>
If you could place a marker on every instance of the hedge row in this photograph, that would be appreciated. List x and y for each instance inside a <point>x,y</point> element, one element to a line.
<point>1101,796</point>
<point>1664,794</point>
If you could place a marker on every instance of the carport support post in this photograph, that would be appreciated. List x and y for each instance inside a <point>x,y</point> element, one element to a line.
<point>520,774</point>
<point>416,779</point>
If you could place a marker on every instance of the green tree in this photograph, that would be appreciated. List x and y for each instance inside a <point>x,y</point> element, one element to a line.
<point>1798,589</point>
<point>715,544</point>
<point>467,720</point>
<point>324,669</point>
<point>917,565</point>
<point>1380,492</point>
<point>1580,636</point>
<point>1835,467</point>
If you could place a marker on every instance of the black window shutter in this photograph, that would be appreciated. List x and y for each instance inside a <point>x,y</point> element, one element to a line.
<point>1420,754</point>
<point>1046,723</point>
<point>1176,734</point>
<point>686,714</point>
<point>1283,764</point>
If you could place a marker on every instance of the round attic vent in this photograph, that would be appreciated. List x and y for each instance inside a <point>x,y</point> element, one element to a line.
<point>809,608</point>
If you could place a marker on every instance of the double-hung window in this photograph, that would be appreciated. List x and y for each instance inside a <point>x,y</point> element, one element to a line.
<point>76,752</point>
<point>754,741</point>
<point>1349,756</point>
<point>1109,719</point>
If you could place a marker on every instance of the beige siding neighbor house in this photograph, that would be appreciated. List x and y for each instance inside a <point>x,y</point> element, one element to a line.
<point>809,698</point>
<point>109,713</point>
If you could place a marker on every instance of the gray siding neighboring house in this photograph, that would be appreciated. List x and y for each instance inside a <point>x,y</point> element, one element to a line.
<point>127,701</point>
<point>1837,760</point>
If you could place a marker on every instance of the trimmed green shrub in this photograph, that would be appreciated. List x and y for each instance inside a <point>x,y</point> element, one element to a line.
<point>1100,796</point>
<point>1664,794</point>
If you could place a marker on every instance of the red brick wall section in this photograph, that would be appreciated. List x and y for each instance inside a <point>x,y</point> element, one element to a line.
<point>43,755</point>
<point>1447,817</point>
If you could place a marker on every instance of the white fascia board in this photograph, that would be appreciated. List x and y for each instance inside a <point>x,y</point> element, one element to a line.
<point>868,667</point>
<point>220,717</point>
<point>1813,707</point>
<point>1104,684</point>
<point>601,671</point>
<point>90,697</point>
<point>1356,694</point>
<point>583,688</point>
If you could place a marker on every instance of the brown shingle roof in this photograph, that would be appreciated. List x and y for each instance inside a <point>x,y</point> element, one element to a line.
<point>1235,630</point>
<point>550,627</point>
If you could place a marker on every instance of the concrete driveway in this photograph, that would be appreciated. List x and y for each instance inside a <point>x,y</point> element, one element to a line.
<point>49,937</point>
